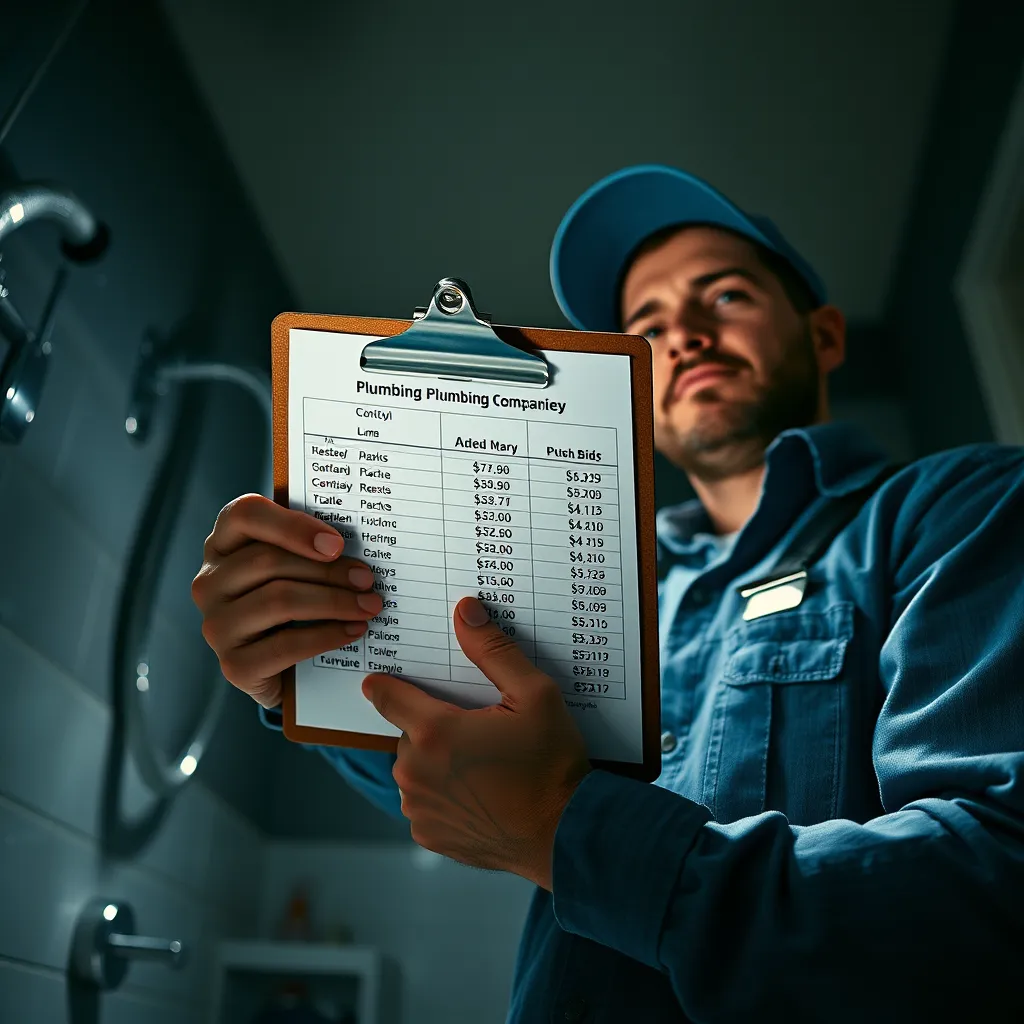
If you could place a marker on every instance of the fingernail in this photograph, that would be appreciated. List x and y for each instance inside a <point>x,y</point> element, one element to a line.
<point>473,612</point>
<point>360,577</point>
<point>370,602</point>
<point>327,543</point>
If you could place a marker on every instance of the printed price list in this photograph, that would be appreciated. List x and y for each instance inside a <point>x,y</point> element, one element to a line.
<point>522,514</point>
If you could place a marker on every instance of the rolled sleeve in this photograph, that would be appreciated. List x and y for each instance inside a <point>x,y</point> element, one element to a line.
<point>619,848</point>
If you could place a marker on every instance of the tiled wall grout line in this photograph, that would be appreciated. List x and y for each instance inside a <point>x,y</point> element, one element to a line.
<point>66,678</point>
<point>31,968</point>
<point>62,503</point>
<point>199,897</point>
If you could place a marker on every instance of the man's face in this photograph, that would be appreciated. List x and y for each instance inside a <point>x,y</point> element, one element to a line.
<point>734,363</point>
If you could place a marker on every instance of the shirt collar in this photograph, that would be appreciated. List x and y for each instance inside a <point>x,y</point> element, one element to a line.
<point>830,459</point>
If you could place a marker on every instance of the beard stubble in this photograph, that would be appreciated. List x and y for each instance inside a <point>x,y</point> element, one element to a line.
<point>731,437</point>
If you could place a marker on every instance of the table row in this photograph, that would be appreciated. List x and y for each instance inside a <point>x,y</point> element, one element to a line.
<point>596,680</point>
<point>556,587</point>
<point>544,560</point>
<point>524,608</point>
<point>434,631</point>
<point>393,577</point>
<point>421,486</point>
<point>348,460</point>
<point>569,628</point>
<point>459,522</point>
<point>454,504</point>
<point>473,538</point>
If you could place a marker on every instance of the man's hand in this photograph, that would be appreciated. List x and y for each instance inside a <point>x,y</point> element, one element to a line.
<point>485,787</point>
<point>265,567</point>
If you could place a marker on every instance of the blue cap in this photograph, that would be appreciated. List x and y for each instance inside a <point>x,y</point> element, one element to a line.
<point>606,224</point>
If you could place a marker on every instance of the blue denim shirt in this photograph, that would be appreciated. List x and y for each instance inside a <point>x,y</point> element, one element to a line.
<point>838,829</point>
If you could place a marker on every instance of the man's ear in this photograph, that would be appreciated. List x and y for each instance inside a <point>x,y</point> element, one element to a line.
<point>828,333</point>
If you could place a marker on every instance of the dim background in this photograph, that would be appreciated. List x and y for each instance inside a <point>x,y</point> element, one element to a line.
<point>254,157</point>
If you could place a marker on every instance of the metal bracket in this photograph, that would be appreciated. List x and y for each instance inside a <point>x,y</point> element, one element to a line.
<point>451,339</point>
<point>24,361</point>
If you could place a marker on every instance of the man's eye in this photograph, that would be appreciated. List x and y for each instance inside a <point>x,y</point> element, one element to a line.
<point>653,332</point>
<point>729,296</point>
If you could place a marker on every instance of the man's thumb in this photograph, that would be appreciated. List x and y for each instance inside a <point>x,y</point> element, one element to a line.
<point>491,650</point>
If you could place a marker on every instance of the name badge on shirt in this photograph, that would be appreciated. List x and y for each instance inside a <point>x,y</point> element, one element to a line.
<point>778,594</point>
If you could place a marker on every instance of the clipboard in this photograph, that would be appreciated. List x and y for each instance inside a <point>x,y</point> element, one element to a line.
<point>449,345</point>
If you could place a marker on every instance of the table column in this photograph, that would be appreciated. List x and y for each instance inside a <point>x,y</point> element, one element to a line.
<point>487,527</point>
<point>574,502</point>
<point>385,499</point>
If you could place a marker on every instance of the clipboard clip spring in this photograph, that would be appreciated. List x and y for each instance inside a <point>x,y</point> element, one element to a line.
<point>450,339</point>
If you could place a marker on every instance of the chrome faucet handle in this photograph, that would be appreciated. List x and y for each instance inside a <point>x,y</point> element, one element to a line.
<point>105,943</point>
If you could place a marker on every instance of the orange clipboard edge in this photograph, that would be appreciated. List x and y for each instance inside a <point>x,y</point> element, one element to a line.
<point>528,338</point>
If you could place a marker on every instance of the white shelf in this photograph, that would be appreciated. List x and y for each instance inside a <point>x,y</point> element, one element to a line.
<point>307,957</point>
<point>362,962</point>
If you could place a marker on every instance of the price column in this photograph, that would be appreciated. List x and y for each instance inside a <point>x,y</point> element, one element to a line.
<point>574,499</point>
<point>485,478</point>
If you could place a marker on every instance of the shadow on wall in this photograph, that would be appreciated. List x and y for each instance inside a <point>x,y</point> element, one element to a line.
<point>123,835</point>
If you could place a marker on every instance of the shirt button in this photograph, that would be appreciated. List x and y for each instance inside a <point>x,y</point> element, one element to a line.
<point>575,1008</point>
<point>698,596</point>
<point>668,743</point>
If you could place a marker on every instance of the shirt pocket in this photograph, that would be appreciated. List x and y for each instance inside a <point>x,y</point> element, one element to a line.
<point>776,735</point>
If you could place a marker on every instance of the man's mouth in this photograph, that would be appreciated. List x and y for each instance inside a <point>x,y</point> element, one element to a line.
<point>698,376</point>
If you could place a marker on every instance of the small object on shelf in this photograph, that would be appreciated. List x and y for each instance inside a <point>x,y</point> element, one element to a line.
<point>296,925</point>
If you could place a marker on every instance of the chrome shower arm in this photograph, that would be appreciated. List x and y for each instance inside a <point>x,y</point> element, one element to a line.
<point>157,370</point>
<point>160,366</point>
<point>24,352</point>
<point>84,236</point>
<point>254,381</point>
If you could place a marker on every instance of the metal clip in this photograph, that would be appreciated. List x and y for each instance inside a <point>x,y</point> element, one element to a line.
<point>451,339</point>
<point>774,595</point>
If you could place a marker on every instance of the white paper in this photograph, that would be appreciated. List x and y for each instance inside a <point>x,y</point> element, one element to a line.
<point>447,489</point>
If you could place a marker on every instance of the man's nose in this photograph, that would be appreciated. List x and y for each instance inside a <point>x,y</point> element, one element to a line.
<point>688,340</point>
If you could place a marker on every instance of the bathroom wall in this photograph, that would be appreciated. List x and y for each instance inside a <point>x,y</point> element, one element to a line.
<point>117,120</point>
<point>454,930</point>
<point>983,66</point>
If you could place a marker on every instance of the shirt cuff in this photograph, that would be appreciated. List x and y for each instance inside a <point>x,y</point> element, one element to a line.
<point>619,848</point>
<point>272,718</point>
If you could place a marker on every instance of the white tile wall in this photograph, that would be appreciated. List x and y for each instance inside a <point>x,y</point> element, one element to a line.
<point>71,497</point>
<point>199,877</point>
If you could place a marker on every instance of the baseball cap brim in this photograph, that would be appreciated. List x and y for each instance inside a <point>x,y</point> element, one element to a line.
<point>606,224</point>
